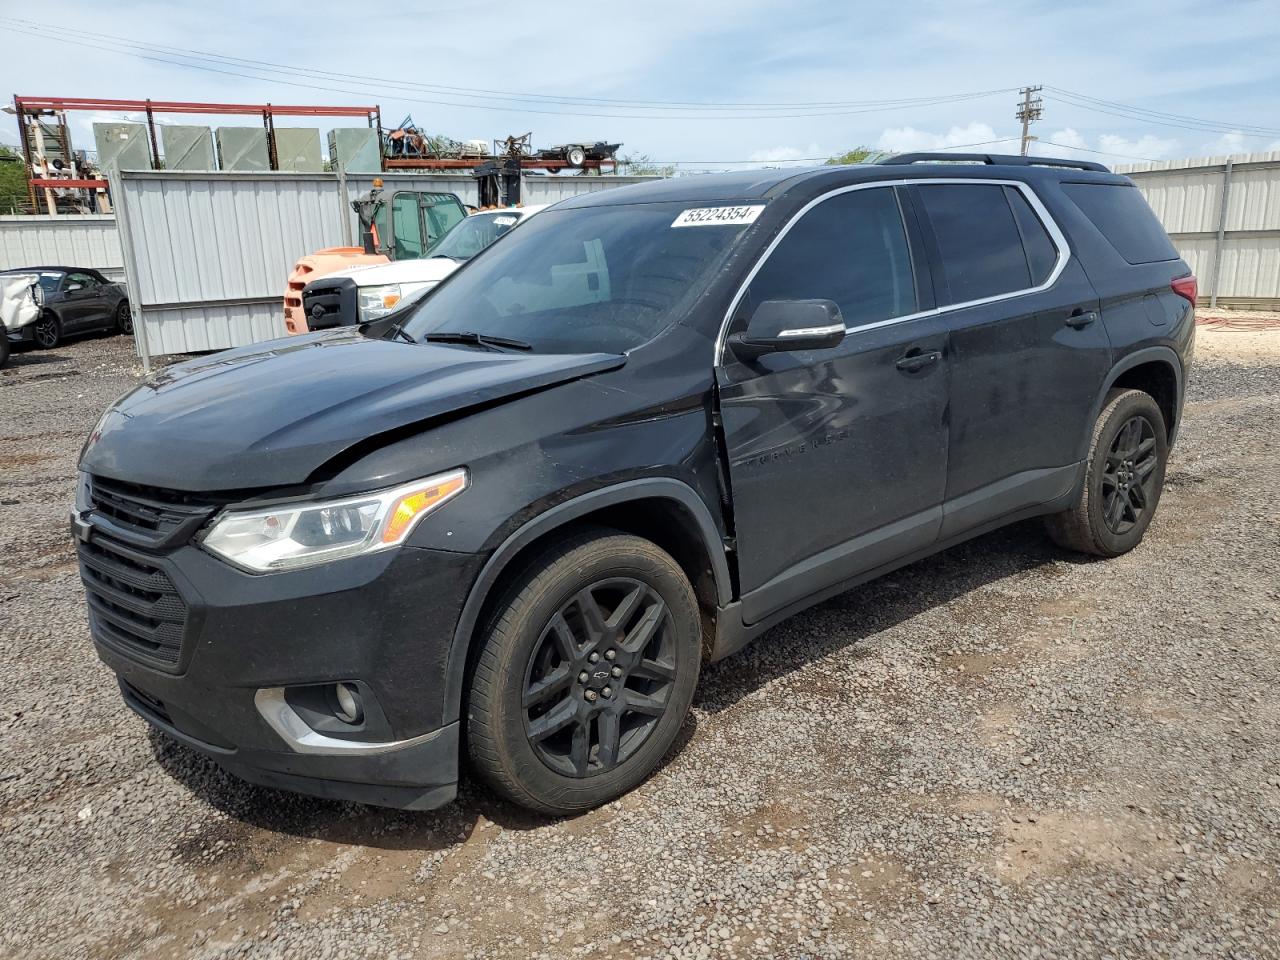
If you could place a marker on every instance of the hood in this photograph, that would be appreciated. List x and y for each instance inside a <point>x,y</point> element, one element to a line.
<point>430,270</point>
<point>272,414</point>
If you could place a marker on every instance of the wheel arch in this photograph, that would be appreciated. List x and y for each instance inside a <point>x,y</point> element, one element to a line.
<point>664,510</point>
<point>1154,370</point>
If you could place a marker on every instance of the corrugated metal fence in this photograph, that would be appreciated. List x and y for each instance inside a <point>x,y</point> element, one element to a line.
<point>1223,214</point>
<point>78,241</point>
<point>207,254</point>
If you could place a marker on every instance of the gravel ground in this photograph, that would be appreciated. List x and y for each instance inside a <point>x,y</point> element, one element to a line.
<point>1004,751</point>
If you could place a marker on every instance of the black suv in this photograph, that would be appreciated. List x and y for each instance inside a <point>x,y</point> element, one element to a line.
<point>514,520</point>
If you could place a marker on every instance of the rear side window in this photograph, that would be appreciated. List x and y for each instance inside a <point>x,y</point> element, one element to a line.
<point>978,239</point>
<point>1041,253</point>
<point>851,249</point>
<point>1122,216</point>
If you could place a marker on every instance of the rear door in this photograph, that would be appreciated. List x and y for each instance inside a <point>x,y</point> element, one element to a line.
<point>837,458</point>
<point>1028,350</point>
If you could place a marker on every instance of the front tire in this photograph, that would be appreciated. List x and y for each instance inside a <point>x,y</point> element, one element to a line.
<point>46,332</point>
<point>1123,480</point>
<point>4,346</point>
<point>585,674</point>
<point>124,318</point>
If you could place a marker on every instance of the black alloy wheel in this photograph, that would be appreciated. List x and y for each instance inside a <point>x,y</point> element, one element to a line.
<point>599,677</point>
<point>46,332</point>
<point>1128,477</point>
<point>1123,477</point>
<point>585,671</point>
<point>124,317</point>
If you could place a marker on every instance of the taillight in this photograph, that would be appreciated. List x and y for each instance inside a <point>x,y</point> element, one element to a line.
<point>1186,288</point>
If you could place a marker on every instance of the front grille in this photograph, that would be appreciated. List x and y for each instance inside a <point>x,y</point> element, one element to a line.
<point>146,514</point>
<point>134,608</point>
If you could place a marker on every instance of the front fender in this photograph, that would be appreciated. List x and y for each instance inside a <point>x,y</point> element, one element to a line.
<point>556,517</point>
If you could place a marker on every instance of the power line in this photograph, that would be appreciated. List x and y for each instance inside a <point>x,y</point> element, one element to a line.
<point>777,110</point>
<point>1147,117</point>
<point>1234,127</point>
<point>668,163</point>
<point>1105,153</point>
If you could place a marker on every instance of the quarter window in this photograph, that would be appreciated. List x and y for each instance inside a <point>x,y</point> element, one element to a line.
<point>1041,253</point>
<point>978,239</point>
<point>851,249</point>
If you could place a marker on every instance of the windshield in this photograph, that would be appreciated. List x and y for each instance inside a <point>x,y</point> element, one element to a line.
<point>474,234</point>
<point>594,279</point>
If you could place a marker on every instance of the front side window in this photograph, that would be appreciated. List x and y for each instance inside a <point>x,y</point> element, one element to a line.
<point>80,281</point>
<point>592,279</point>
<point>978,239</point>
<point>851,248</point>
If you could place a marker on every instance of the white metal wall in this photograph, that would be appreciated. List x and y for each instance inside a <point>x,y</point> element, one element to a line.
<point>1235,252</point>
<point>75,241</point>
<point>207,254</point>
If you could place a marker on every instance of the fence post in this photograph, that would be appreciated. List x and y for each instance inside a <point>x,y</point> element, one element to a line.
<point>1222,229</point>
<point>130,267</point>
<point>344,201</point>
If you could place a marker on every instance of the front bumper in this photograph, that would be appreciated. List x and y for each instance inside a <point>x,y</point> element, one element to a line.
<point>383,621</point>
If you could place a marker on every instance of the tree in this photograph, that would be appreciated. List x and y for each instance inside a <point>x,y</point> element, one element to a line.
<point>639,165</point>
<point>13,182</point>
<point>856,155</point>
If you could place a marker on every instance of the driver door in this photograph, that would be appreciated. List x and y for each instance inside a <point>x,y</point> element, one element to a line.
<point>83,304</point>
<point>838,458</point>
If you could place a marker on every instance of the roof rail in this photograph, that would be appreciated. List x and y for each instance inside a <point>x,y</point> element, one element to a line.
<point>1005,160</point>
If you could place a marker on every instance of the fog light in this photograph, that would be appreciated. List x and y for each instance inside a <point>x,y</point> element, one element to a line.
<point>348,697</point>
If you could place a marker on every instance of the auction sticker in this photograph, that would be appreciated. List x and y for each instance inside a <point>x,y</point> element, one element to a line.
<point>504,221</point>
<point>717,216</point>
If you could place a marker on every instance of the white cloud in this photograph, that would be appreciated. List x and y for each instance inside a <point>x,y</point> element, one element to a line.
<point>784,154</point>
<point>910,139</point>
<point>1070,143</point>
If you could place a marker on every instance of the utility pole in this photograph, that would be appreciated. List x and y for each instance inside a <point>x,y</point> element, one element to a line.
<point>1029,111</point>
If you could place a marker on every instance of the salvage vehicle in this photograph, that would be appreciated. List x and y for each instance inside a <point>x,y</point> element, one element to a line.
<point>513,524</point>
<point>71,300</point>
<point>364,293</point>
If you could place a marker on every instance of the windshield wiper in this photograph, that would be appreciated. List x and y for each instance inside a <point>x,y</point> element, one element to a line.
<point>399,331</point>
<point>476,339</point>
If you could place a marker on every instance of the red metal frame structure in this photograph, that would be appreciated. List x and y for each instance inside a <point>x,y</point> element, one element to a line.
<point>35,106</point>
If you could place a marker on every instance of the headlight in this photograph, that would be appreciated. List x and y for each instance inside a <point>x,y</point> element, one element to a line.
<point>303,534</point>
<point>378,301</point>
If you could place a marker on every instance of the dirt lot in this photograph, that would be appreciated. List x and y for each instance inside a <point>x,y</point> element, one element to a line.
<point>1004,751</point>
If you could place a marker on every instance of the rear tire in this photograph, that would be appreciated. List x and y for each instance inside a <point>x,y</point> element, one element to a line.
<point>586,670</point>
<point>1123,479</point>
<point>46,332</point>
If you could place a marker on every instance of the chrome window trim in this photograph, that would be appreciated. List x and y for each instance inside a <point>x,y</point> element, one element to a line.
<point>1055,234</point>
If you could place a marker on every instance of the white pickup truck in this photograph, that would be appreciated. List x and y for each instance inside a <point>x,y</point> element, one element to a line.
<point>364,293</point>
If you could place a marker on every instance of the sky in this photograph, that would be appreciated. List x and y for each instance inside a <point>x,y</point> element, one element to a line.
<point>705,84</point>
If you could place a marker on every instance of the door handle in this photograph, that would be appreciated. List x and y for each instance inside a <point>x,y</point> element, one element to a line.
<point>918,361</point>
<point>1081,318</point>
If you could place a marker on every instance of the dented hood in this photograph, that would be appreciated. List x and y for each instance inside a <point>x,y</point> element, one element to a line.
<point>273,413</point>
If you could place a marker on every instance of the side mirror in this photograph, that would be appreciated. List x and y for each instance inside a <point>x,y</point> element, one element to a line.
<point>784,325</point>
<point>74,287</point>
